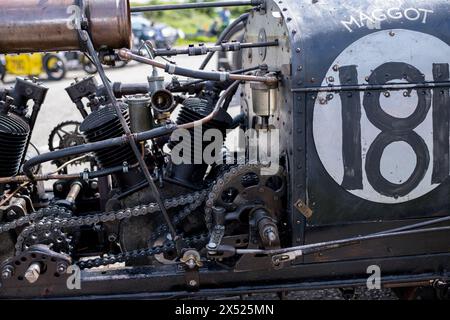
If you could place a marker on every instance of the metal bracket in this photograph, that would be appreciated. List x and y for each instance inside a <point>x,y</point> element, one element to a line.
<point>285,257</point>
<point>191,259</point>
<point>28,265</point>
<point>303,209</point>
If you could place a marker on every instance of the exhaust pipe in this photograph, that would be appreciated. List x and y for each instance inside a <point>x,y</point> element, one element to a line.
<point>51,25</point>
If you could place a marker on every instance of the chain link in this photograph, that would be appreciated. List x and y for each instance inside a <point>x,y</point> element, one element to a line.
<point>199,240</point>
<point>61,219</point>
<point>76,222</point>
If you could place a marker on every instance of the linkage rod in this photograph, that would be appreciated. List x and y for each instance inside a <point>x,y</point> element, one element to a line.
<point>218,4</point>
<point>198,74</point>
<point>223,47</point>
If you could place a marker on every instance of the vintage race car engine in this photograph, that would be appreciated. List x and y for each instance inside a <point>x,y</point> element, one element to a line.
<point>325,170</point>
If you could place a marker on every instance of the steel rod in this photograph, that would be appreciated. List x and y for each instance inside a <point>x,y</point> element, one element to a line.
<point>199,5</point>
<point>223,47</point>
<point>375,87</point>
<point>207,75</point>
<point>225,33</point>
<point>315,247</point>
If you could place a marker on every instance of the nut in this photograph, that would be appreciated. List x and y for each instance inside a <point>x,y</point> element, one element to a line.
<point>193,283</point>
<point>7,272</point>
<point>62,268</point>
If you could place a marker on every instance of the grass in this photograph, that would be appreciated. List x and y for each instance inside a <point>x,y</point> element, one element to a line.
<point>190,21</point>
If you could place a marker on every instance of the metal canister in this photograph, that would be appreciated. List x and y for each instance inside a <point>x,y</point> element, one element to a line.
<point>141,118</point>
<point>51,25</point>
<point>264,98</point>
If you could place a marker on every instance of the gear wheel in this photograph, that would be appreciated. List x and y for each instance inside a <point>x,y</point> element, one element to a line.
<point>64,135</point>
<point>57,240</point>
<point>245,185</point>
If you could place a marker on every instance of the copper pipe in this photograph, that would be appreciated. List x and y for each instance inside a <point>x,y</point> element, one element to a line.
<point>211,116</point>
<point>39,177</point>
<point>36,25</point>
<point>75,189</point>
<point>53,176</point>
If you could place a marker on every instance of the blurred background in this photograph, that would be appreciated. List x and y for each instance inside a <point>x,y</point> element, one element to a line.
<point>200,25</point>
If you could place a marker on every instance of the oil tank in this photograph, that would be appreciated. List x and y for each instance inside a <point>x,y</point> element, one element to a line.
<point>51,25</point>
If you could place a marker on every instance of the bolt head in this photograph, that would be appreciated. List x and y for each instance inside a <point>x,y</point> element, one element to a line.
<point>212,245</point>
<point>193,283</point>
<point>62,268</point>
<point>32,276</point>
<point>6,274</point>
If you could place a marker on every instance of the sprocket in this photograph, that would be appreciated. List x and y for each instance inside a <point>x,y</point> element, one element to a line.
<point>64,135</point>
<point>57,240</point>
<point>247,185</point>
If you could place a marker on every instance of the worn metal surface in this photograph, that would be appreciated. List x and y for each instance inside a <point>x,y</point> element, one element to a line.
<point>376,154</point>
<point>371,153</point>
<point>349,164</point>
<point>34,25</point>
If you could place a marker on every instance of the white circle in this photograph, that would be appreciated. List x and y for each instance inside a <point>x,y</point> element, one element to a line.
<point>390,104</point>
<point>367,54</point>
<point>398,170</point>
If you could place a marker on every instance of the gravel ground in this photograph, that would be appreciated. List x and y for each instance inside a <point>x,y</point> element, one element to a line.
<point>331,294</point>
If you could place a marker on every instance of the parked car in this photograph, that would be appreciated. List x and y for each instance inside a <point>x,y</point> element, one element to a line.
<point>160,34</point>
